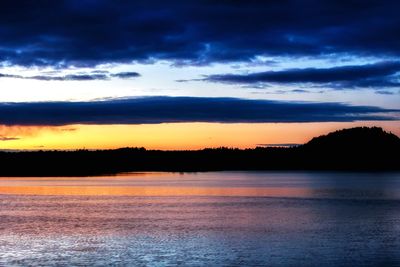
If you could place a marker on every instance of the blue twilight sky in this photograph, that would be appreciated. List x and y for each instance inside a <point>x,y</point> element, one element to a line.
<point>133,62</point>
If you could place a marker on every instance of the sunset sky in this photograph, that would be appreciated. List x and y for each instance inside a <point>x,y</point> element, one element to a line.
<point>193,74</point>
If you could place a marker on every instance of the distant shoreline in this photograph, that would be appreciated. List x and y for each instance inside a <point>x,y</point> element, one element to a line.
<point>356,149</point>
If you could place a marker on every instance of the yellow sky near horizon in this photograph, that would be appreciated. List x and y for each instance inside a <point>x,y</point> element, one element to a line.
<point>171,136</point>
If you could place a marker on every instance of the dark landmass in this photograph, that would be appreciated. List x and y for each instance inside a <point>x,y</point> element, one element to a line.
<point>356,149</point>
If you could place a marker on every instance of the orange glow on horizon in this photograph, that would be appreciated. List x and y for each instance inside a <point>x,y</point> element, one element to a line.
<point>171,136</point>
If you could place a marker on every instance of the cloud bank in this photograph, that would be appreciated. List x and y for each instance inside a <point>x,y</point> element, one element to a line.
<point>87,33</point>
<point>381,75</point>
<point>164,109</point>
<point>92,76</point>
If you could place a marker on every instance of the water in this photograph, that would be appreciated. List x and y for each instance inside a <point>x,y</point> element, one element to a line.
<point>202,219</point>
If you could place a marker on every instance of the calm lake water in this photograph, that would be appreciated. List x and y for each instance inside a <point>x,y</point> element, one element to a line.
<point>202,219</point>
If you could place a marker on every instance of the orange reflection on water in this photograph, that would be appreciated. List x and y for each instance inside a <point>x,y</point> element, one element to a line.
<point>153,191</point>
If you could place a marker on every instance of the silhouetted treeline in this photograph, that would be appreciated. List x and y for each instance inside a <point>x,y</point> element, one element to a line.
<point>351,149</point>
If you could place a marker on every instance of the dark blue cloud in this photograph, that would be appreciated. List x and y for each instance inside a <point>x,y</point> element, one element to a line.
<point>384,92</point>
<point>4,75</point>
<point>69,77</point>
<point>92,76</point>
<point>183,109</point>
<point>383,74</point>
<point>125,75</point>
<point>87,32</point>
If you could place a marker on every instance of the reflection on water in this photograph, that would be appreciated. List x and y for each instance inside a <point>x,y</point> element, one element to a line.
<point>203,219</point>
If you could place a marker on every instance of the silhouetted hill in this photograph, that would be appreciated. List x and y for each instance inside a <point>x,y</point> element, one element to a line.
<point>367,149</point>
<point>356,140</point>
<point>355,148</point>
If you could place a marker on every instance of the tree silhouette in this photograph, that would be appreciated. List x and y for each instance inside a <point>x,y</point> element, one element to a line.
<point>360,148</point>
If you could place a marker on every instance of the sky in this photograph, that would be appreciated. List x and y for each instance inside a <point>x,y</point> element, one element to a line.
<point>192,74</point>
